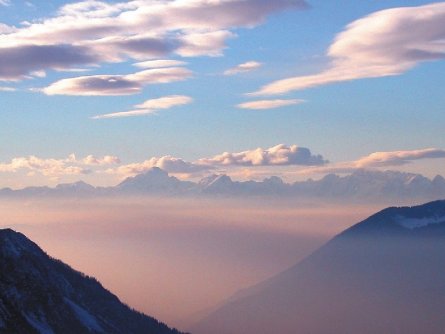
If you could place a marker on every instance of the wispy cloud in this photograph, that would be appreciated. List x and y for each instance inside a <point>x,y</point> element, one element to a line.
<point>379,159</point>
<point>95,32</point>
<point>385,43</point>
<point>397,158</point>
<point>150,106</point>
<point>158,63</point>
<point>5,2</point>
<point>268,104</point>
<point>242,68</point>
<point>106,85</point>
<point>7,89</point>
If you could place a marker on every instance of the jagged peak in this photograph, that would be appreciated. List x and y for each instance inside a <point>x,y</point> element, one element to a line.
<point>78,184</point>
<point>222,179</point>
<point>439,179</point>
<point>274,180</point>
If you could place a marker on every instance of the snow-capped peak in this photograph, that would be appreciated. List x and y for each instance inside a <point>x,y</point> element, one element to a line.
<point>412,223</point>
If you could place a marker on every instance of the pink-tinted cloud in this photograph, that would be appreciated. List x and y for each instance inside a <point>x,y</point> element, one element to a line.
<point>244,67</point>
<point>385,43</point>
<point>106,85</point>
<point>397,158</point>
<point>150,106</point>
<point>56,167</point>
<point>93,32</point>
<point>379,159</point>
<point>268,104</point>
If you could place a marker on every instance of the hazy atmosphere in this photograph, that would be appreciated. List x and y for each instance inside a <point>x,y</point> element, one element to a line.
<point>222,166</point>
<point>176,259</point>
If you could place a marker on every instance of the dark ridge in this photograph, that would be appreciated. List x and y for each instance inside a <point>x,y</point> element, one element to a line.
<point>39,293</point>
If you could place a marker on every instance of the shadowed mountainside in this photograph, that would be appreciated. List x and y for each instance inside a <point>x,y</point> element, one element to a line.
<point>383,275</point>
<point>41,295</point>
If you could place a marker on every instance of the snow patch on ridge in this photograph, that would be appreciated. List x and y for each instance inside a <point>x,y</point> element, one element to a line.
<point>412,223</point>
<point>84,317</point>
<point>42,327</point>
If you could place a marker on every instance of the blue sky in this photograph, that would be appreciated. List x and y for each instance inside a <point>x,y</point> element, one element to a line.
<point>344,121</point>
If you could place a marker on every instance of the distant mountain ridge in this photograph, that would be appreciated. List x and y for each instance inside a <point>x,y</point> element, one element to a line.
<point>383,275</point>
<point>40,295</point>
<point>362,185</point>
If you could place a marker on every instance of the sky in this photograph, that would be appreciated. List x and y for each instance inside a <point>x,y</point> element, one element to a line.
<point>102,90</point>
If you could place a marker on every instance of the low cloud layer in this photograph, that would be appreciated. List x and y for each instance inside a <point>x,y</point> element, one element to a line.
<point>56,167</point>
<point>245,164</point>
<point>280,155</point>
<point>151,106</point>
<point>107,85</point>
<point>94,32</point>
<point>268,104</point>
<point>385,43</point>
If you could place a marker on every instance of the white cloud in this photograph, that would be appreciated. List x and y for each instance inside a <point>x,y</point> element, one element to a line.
<point>106,85</point>
<point>268,104</point>
<point>279,155</point>
<point>385,43</point>
<point>91,160</point>
<point>244,67</point>
<point>5,2</point>
<point>56,167</point>
<point>47,167</point>
<point>93,32</point>
<point>204,43</point>
<point>158,63</point>
<point>151,106</point>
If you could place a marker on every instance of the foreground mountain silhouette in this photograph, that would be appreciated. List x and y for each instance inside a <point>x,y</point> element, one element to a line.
<point>383,275</point>
<point>40,295</point>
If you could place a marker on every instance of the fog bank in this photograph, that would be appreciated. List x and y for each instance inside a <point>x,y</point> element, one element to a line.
<point>174,258</point>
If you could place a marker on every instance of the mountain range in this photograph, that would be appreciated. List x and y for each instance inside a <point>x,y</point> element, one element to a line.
<point>362,185</point>
<point>385,274</point>
<point>41,295</point>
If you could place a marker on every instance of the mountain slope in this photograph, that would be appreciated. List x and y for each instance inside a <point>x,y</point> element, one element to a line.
<point>383,275</point>
<point>41,295</point>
